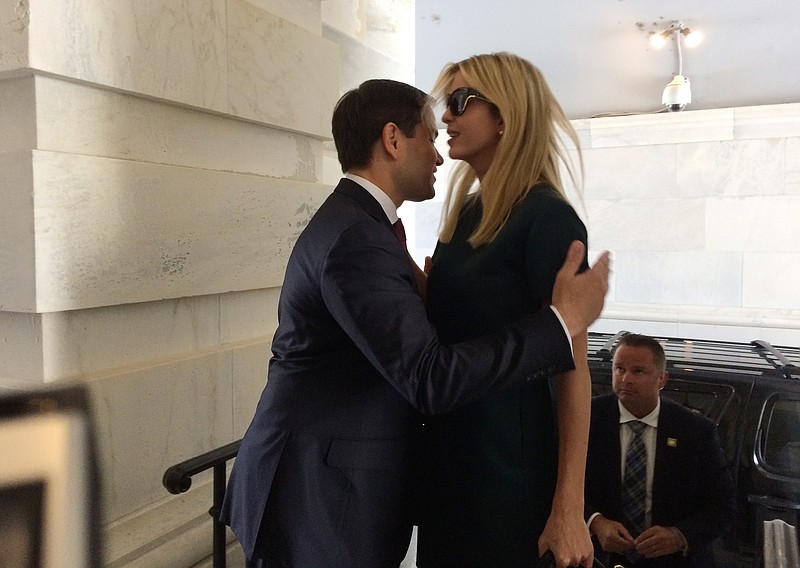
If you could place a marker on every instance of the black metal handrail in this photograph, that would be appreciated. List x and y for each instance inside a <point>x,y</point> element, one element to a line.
<point>178,479</point>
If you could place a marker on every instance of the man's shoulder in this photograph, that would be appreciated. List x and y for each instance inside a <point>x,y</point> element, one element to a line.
<point>678,415</point>
<point>347,204</point>
<point>604,400</point>
<point>604,407</point>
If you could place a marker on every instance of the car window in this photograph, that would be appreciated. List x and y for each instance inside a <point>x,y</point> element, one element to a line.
<point>779,433</point>
<point>707,399</point>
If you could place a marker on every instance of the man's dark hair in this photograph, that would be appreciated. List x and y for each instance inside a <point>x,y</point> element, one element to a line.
<point>637,340</point>
<point>361,113</point>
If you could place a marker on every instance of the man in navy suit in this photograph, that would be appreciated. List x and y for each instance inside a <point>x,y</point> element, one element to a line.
<point>688,493</point>
<point>323,475</point>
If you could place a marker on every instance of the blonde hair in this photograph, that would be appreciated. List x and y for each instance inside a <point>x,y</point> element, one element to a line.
<point>530,150</point>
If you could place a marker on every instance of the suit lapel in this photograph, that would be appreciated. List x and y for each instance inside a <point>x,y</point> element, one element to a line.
<point>663,462</point>
<point>372,208</point>
<point>612,435</point>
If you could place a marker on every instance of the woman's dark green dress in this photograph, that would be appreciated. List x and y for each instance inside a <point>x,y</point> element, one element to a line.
<point>489,469</point>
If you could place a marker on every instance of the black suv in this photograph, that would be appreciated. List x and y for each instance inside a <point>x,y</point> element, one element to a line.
<point>752,392</point>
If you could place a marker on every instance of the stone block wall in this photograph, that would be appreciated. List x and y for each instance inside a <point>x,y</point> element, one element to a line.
<point>159,158</point>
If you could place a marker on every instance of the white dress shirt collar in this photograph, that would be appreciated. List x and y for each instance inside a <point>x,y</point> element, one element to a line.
<point>383,200</point>
<point>650,419</point>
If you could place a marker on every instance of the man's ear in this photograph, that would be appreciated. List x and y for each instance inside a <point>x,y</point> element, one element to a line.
<point>390,138</point>
<point>663,380</point>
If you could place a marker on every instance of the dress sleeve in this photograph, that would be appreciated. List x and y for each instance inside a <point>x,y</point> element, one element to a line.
<point>555,224</point>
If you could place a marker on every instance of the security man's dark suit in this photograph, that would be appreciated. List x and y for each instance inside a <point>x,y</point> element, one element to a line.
<point>692,486</point>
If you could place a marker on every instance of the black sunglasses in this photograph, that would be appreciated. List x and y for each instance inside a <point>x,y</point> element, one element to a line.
<point>458,99</point>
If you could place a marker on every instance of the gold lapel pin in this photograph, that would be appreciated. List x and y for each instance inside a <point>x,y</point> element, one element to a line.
<point>672,442</point>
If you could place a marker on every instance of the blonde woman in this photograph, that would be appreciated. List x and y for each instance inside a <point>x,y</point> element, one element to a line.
<point>503,477</point>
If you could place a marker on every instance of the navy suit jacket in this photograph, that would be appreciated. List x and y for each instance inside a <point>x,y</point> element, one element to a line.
<point>692,486</point>
<point>323,474</point>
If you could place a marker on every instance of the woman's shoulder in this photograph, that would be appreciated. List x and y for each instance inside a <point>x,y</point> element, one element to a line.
<point>545,194</point>
<point>544,200</point>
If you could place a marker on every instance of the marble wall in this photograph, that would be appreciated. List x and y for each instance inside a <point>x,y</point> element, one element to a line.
<point>159,158</point>
<point>700,210</point>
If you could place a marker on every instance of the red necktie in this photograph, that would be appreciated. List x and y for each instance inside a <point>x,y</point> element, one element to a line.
<point>400,232</point>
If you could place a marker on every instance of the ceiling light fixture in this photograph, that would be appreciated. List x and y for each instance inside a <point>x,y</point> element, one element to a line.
<point>677,94</point>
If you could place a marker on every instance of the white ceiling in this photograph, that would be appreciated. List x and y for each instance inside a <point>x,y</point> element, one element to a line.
<point>597,58</point>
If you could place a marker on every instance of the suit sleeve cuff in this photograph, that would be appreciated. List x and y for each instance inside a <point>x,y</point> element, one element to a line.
<point>564,327</point>
<point>682,543</point>
<point>590,520</point>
